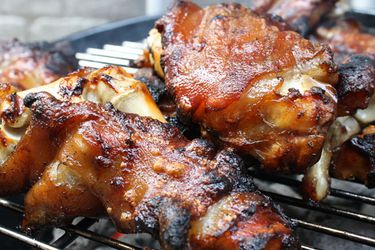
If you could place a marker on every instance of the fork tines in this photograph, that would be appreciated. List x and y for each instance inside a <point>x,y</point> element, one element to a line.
<point>124,56</point>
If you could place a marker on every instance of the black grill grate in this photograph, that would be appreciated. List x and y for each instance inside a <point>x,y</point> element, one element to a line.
<point>72,232</point>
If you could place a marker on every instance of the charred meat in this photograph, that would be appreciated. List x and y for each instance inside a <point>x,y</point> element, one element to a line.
<point>355,159</point>
<point>147,177</point>
<point>264,91</point>
<point>355,55</point>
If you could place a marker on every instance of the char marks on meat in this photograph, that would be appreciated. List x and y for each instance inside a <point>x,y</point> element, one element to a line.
<point>146,176</point>
<point>264,91</point>
<point>355,55</point>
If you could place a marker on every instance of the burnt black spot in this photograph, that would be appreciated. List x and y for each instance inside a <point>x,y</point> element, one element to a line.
<point>174,225</point>
<point>147,220</point>
<point>109,107</point>
<point>189,129</point>
<point>366,147</point>
<point>356,83</point>
<point>230,164</point>
<point>319,92</point>
<point>108,78</point>
<point>79,87</point>
<point>117,181</point>
<point>103,161</point>
<point>14,110</point>
<point>154,84</point>
<point>244,184</point>
<point>217,184</point>
<point>294,93</point>
<point>30,99</point>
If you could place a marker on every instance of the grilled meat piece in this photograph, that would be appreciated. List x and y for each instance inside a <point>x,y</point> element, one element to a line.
<point>149,178</point>
<point>110,84</point>
<point>263,91</point>
<point>355,159</point>
<point>29,65</point>
<point>355,55</point>
<point>345,36</point>
<point>302,15</point>
<point>355,90</point>
<point>356,84</point>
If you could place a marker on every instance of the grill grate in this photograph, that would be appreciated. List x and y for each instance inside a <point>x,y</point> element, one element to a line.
<point>81,229</point>
<point>125,56</point>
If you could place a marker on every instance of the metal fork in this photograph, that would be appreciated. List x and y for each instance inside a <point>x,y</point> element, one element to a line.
<point>123,55</point>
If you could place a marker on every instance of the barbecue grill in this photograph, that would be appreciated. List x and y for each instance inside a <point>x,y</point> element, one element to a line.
<point>347,215</point>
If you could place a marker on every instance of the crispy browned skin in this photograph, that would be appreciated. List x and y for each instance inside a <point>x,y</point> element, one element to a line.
<point>355,159</point>
<point>19,171</point>
<point>31,65</point>
<point>356,84</point>
<point>149,178</point>
<point>231,71</point>
<point>302,15</point>
<point>355,54</point>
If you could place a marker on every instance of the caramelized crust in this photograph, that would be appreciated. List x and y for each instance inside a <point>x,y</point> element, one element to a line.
<point>110,84</point>
<point>255,87</point>
<point>149,178</point>
<point>356,84</point>
<point>355,159</point>
<point>30,65</point>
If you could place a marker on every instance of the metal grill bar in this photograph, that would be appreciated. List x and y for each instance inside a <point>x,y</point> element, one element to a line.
<point>26,239</point>
<point>99,238</point>
<point>336,232</point>
<point>295,183</point>
<point>309,248</point>
<point>68,237</point>
<point>71,229</point>
<point>321,207</point>
<point>120,245</point>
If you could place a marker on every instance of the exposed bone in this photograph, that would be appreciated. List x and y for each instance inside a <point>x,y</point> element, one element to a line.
<point>316,180</point>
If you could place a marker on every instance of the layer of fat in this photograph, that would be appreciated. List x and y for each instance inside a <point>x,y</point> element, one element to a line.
<point>303,83</point>
<point>318,175</point>
<point>341,130</point>
<point>366,116</point>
